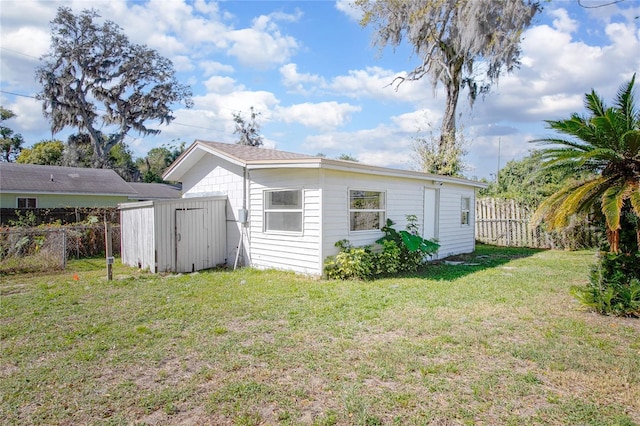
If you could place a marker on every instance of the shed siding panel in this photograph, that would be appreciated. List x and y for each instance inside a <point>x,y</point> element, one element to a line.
<point>297,252</point>
<point>137,237</point>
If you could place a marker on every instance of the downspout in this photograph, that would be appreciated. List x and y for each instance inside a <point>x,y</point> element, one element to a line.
<point>243,217</point>
<point>245,207</point>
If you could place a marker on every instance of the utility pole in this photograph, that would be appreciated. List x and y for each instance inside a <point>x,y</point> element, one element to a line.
<point>498,170</point>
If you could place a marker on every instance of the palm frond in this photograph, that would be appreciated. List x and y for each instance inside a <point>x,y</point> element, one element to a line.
<point>612,202</point>
<point>594,103</point>
<point>631,142</point>
<point>634,198</point>
<point>573,198</point>
<point>626,103</point>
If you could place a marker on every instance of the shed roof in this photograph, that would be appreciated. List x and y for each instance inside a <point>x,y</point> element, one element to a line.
<point>155,191</point>
<point>257,158</point>
<point>34,178</point>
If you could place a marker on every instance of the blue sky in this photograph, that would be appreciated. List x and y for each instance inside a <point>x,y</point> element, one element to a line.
<point>320,86</point>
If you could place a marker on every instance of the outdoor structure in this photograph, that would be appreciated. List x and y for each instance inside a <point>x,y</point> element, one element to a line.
<point>287,210</point>
<point>36,186</point>
<point>183,235</point>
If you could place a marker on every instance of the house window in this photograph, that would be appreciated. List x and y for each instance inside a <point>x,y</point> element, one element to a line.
<point>27,203</point>
<point>283,211</point>
<point>366,210</point>
<point>465,211</point>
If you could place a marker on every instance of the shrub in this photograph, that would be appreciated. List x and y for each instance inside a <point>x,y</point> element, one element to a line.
<point>350,262</point>
<point>614,285</point>
<point>403,251</point>
<point>414,250</point>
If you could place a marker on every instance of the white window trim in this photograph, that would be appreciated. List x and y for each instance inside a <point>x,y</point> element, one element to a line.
<point>26,198</point>
<point>266,210</point>
<point>350,210</point>
<point>467,210</point>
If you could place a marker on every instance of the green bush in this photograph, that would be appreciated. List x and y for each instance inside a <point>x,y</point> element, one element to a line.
<point>398,252</point>
<point>350,262</point>
<point>614,285</point>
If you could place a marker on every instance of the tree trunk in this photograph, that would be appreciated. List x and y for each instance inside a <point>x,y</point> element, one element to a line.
<point>613,236</point>
<point>448,128</point>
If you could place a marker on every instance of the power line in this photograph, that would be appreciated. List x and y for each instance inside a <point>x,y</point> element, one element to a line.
<point>173,122</point>
<point>18,94</point>
<point>20,53</point>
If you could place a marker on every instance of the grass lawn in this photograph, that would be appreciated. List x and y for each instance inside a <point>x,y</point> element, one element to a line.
<point>497,341</point>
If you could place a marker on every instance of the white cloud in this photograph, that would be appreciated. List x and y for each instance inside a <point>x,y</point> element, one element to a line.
<point>380,146</point>
<point>563,22</point>
<point>295,82</point>
<point>349,8</point>
<point>221,85</point>
<point>323,115</point>
<point>418,121</point>
<point>262,45</point>
<point>213,67</point>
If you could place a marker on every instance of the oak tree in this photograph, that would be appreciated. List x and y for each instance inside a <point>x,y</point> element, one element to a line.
<point>459,44</point>
<point>94,78</point>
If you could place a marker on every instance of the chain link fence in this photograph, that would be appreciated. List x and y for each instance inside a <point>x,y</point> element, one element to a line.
<point>48,248</point>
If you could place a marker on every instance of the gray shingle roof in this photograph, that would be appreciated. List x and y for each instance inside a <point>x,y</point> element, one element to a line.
<point>32,178</point>
<point>155,191</point>
<point>247,154</point>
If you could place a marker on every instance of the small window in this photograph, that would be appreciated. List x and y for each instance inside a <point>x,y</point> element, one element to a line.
<point>27,203</point>
<point>283,211</point>
<point>465,211</point>
<point>366,210</point>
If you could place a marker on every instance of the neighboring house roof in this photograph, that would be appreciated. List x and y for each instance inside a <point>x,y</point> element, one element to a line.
<point>257,158</point>
<point>155,191</point>
<point>38,179</point>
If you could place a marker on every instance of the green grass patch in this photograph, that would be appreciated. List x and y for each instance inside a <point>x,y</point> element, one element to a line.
<point>497,339</point>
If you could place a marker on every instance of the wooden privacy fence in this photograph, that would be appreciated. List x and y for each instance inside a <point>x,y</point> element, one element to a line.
<point>507,223</point>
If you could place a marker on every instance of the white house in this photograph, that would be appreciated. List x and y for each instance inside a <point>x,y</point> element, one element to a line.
<point>287,210</point>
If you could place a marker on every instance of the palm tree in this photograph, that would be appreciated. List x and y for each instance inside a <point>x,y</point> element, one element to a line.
<point>606,146</point>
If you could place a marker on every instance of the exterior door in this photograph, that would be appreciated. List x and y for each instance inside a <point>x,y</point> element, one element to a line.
<point>191,240</point>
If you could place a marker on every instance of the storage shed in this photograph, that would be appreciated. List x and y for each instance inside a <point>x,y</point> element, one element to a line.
<point>182,235</point>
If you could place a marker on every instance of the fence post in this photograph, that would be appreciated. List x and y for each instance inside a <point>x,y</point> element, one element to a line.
<point>64,249</point>
<point>108,248</point>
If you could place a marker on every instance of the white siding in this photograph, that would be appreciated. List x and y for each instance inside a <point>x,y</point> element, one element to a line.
<point>455,238</point>
<point>296,252</point>
<point>213,175</point>
<point>403,197</point>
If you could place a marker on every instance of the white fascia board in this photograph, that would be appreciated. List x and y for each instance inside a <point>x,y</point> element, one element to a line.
<point>343,166</point>
<point>189,158</point>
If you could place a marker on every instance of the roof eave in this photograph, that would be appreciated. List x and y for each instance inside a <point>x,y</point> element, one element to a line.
<point>179,167</point>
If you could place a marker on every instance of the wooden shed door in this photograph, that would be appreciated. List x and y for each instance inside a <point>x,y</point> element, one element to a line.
<point>191,240</point>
